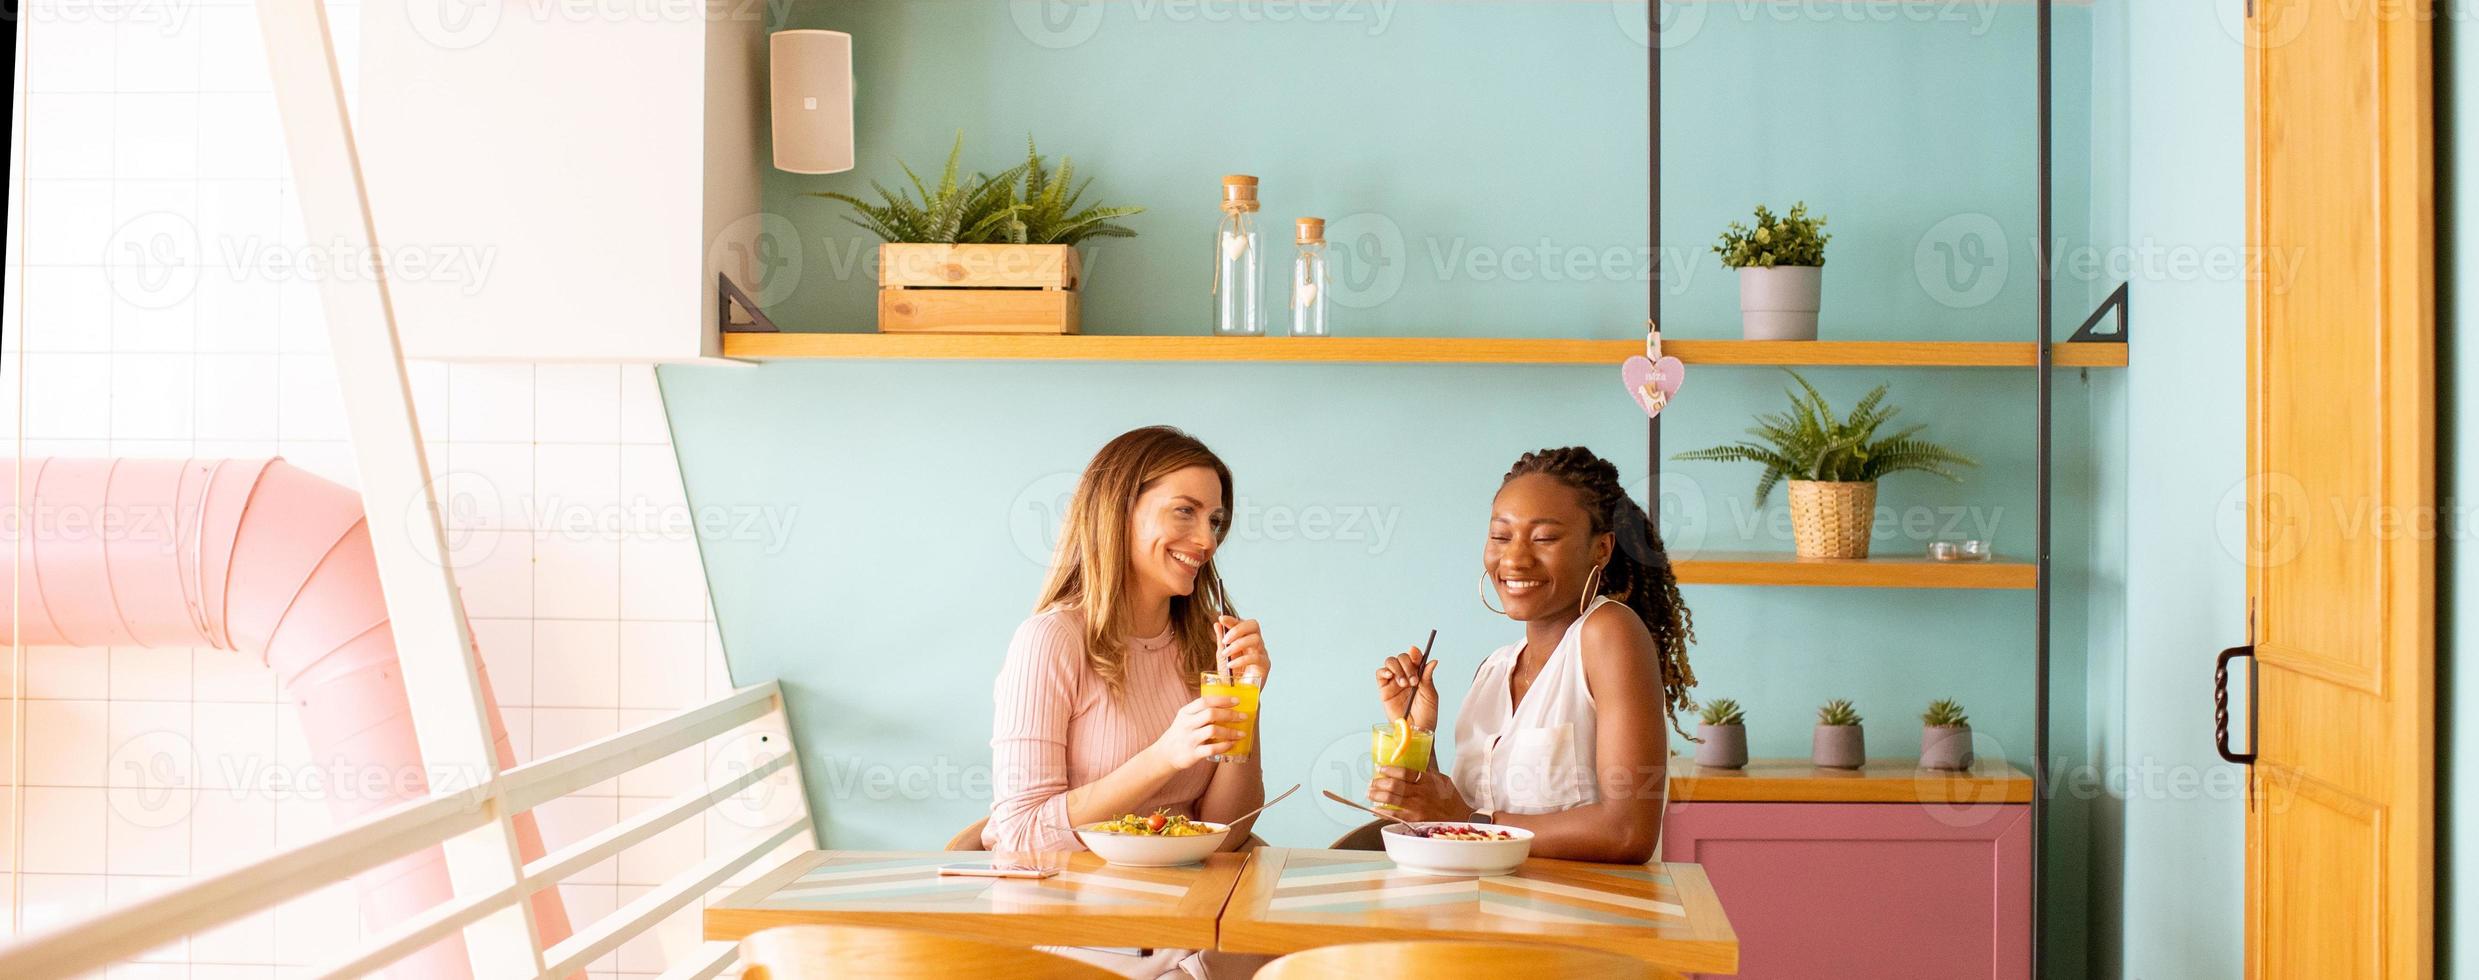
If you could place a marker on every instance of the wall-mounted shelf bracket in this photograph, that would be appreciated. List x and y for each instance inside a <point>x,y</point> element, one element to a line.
<point>728,294</point>
<point>2116,303</point>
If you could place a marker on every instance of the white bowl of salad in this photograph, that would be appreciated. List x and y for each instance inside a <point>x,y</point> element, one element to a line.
<point>1159,840</point>
<point>1456,849</point>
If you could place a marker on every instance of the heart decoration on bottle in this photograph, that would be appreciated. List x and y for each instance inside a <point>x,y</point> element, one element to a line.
<point>1652,379</point>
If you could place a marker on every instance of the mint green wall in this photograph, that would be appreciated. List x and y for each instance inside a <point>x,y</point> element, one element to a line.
<point>2185,425</point>
<point>2087,853</point>
<point>922,494</point>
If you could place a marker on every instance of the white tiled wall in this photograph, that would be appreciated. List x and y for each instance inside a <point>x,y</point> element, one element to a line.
<point>156,187</point>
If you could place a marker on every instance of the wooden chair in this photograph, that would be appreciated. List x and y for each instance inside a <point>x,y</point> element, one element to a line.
<point>1361,838</point>
<point>1443,960</point>
<point>871,953</point>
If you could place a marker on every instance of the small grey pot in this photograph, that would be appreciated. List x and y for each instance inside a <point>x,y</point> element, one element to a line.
<point>1839,747</point>
<point>1724,746</point>
<point>1780,302</point>
<point>1945,747</point>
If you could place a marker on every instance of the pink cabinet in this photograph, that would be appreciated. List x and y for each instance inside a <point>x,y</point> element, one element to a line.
<point>1861,891</point>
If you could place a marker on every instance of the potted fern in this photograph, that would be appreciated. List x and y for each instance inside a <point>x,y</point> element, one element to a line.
<point>1945,736</point>
<point>1839,742</point>
<point>1833,463</point>
<point>1781,263</point>
<point>1722,736</point>
<point>984,253</point>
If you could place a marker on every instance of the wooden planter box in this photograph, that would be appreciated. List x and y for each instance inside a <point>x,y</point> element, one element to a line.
<point>925,288</point>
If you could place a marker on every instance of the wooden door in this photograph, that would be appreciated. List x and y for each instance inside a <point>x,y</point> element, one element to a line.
<point>2341,517</point>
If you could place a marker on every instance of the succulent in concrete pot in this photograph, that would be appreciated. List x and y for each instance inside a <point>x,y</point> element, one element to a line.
<point>1722,736</point>
<point>1839,743</point>
<point>1945,736</point>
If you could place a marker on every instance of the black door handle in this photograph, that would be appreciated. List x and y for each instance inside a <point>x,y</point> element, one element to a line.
<point>2220,705</point>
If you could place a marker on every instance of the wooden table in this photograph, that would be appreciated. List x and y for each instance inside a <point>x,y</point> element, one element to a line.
<point>1664,914</point>
<point>1087,904</point>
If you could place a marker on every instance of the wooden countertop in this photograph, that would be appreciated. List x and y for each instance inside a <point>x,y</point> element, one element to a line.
<point>1883,781</point>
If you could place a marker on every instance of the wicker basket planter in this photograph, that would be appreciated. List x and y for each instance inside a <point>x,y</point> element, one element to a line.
<point>1832,520</point>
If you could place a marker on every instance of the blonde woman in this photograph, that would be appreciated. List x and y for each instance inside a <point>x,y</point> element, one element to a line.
<point>1098,709</point>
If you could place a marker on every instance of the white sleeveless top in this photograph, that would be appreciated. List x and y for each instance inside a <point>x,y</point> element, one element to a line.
<point>1536,758</point>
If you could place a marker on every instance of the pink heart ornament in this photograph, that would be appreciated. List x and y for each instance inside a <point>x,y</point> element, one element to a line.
<point>1653,384</point>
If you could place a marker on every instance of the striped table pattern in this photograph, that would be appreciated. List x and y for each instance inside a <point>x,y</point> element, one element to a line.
<point>1297,899</point>
<point>1087,903</point>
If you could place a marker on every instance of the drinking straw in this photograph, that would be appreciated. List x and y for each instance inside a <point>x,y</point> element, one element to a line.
<point>1222,655</point>
<point>1418,667</point>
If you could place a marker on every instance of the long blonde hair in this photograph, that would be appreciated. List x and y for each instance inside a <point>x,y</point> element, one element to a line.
<point>1090,569</point>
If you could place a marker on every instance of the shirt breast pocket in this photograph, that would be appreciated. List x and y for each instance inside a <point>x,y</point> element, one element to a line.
<point>1542,772</point>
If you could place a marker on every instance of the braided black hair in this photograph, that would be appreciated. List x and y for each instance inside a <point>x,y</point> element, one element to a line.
<point>1639,570</point>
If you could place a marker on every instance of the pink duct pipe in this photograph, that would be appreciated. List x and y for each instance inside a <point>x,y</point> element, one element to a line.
<point>260,557</point>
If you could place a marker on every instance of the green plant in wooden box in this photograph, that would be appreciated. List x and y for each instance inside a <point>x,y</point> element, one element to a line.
<point>1781,263</point>
<point>1945,736</point>
<point>1839,742</point>
<point>1721,736</point>
<point>983,253</point>
<point>1832,463</point>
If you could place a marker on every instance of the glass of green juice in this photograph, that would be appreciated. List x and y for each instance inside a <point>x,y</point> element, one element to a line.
<point>1401,746</point>
<point>1244,688</point>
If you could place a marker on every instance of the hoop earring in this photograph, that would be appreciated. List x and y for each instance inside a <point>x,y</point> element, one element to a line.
<point>1485,594</point>
<point>1592,586</point>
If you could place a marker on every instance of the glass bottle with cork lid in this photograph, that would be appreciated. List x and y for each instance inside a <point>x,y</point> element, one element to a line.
<point>1239,309</point>
<point>1308,280</point>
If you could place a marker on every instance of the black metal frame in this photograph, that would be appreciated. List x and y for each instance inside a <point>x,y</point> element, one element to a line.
<point>2044,324</point>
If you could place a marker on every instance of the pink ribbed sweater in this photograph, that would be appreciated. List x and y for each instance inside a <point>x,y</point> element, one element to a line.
<point>1057,727</point>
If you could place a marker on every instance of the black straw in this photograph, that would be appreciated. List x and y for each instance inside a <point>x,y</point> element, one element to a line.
<point>1419,667</point>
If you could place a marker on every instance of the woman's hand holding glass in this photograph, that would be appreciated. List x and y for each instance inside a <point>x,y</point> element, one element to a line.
<point>1418,795</point>
<point>1203,729</point>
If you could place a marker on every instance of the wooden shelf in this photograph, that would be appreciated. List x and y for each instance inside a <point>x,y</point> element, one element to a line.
<point>1882,781</point>
<point>1774,568</point>
<point>1406,350</point>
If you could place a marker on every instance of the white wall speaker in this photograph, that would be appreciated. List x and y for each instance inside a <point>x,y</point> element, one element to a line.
<point>811,73</point>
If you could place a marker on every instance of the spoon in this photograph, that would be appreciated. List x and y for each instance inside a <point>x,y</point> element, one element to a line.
<point>1368,810</point>
<point>1295,787</point>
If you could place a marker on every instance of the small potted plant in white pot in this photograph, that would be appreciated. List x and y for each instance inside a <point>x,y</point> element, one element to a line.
<point>1833,464</point>
<point>1781,263</point>
<point>1945,736</point>
<point>1839,743</point>
<point>1722,736</point>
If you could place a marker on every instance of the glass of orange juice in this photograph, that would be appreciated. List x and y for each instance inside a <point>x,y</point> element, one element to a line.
<point>1243,688</point>
<point>1398,744</point>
